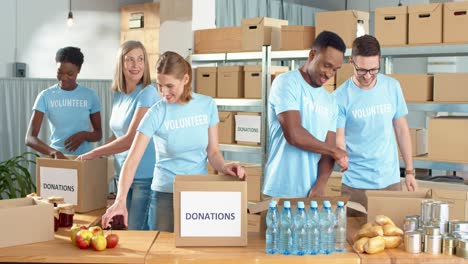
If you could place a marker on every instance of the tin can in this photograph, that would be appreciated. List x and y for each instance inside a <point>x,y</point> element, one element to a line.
<point>443,227</point>
<point>433,244</point>
<point>431,231</point>
<point>412,242</point>
<point>459,226</point>
<point>440,211</point>
<point>448,245</point>
<point>462,248</point>
<point>426,212</point>
<point>411,223</point>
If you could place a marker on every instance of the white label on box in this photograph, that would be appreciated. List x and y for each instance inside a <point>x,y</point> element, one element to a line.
<point>210,214</point>
<point>59,182</point>
<point>248,128</point>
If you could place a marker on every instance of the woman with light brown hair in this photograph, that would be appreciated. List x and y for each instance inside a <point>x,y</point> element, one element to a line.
<point>184,127</point>
<point>133,96</point>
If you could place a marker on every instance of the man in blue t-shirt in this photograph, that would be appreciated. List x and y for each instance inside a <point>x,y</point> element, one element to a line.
<point>371,120</point>
<point>302,123</point>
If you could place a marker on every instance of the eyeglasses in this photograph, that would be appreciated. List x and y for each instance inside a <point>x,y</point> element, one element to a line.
<point>133,60</point>
<point>360,71</point>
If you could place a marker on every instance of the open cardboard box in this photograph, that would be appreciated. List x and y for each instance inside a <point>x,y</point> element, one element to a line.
<point>24,221</point>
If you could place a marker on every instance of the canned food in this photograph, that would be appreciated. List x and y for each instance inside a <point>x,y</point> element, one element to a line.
<point>412,242</point>
<point>462,253</point>
<point>432,230</point>
<point>411,223</point>
<point>459,226</point>
<point>463,244</point>
<point>432,244</point>
<point>426,212</point>
<point>440,211</point>
<point>443,226</point>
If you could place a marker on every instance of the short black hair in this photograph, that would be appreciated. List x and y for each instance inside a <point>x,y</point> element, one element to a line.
<point>329,39</point>
<point>72,55</point>
<point>366,46</point>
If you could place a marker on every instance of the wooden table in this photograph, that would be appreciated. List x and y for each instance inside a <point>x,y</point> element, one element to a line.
<point>132,248</point>
<point>398,255</point>
<point>164,251</point>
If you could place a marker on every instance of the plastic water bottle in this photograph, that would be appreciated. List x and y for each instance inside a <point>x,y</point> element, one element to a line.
<point>313,234</point>
<point>326,228</point>
<point>286,245</point>
<point>299,230</point>
<point>340,228</point>
<point>272,231</point>
<point>331,230</point>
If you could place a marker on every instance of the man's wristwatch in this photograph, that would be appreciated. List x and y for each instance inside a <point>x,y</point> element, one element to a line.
<point>410,172</point>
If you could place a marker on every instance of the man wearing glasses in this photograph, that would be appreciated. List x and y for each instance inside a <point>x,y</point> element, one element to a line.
<point>371,120</point>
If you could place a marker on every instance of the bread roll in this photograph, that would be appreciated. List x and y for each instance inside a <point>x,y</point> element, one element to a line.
<point>370,232</point>
<point>359,245</point>
<point>392,241</point>
<point>391,230</point>
<point>367,225</point>
<point>375,245</point>
<point>383,220</point>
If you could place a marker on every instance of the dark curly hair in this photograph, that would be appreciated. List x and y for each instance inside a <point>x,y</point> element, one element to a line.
<point>72,55</point>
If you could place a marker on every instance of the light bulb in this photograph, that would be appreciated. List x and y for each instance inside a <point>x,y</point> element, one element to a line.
<point>70,19</point>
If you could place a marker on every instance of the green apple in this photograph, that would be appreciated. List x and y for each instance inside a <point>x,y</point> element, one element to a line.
<point>83,238</point>
<point>98,242</point>
<point>96,230</point>
<point>73,230</point>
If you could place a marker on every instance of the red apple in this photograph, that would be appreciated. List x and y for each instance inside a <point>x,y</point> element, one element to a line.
<point>96,230</point>
<point>74,230</point>
<point>98,243</point>
<point>83,238</point>
<point>112,240</point>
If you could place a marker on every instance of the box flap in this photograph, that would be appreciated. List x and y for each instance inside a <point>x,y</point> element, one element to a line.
<point>428,8</point>
<point>391,10</point>
<point>456,6</point>
<point>455,193</point>
<point>399,194</point>
<point>208,177</point>
<point>252,21</point>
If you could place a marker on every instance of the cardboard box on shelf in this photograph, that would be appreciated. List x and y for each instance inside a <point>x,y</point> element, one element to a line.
<point>210,210</point>
<point>148,11</point>
<point>395,204</point>
<point>391,25</point>
<point>333,187</point>
<point>206,80</point>
<point>226,127</point>
<point>225,39</point>
<point>425,24</point>
<point>344,23</point>
<point>344,73</point>
<point>230,82</point>
<point>259,31</point>
<point>416,87</point>
<point>447,139</point>
<point>297,37</point>
<point>455,22</point>
<point>247,128</point>
<point>253,79</point>
<point>24,221</point>
<point>450,87</point>
<point>79,182</point>
<point>418,142</point>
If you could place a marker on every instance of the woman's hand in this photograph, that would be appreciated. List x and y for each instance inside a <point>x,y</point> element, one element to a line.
<point>118,208</point>
<point>234,169</point>
<point>72,143</point>
<point>87,156</point>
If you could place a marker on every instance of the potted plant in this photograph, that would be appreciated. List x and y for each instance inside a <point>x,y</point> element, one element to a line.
<point>15,179</point>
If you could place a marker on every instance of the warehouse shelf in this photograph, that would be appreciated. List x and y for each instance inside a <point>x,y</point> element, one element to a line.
<point>435,164</point>
<point>439,50</point>
<point>438,107</point>
<point>250,105</point>
<point>240,148</point>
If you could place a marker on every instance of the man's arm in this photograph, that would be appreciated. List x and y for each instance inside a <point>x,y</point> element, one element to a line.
<point>400,125</point>
<point>325,168</point>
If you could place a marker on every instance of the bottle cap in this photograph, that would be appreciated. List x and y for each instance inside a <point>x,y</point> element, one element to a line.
<point>273,203</point>
<point>287,204</point>
<point>313,204</point>
<point>326,203</point>
<point>340,203</point>
<point>300,204</point>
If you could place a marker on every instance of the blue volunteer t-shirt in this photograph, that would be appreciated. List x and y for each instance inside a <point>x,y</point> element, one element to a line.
<point>367,117</point>
<point>290,171</point>
<point>123,110</point>
<point>181,138</point>
<point>68,113</point>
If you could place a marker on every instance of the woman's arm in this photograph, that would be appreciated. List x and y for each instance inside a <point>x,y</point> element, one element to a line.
<point>34,142</point>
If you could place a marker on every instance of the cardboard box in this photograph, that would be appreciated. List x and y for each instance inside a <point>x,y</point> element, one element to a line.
<point>455,22</point>
<point>253,222</point>
<point>149,11</point>
<point>24,222</point>
<point>395,204</point>
<point>110,169</point>
<point>329,88</point>
<point>297,37</point>
<point>259,31</point>
<point>450,87</point>
<point>253,79</point>
<point>425,24</point>
<point>79,182</point>
<point>226,127</point>
<point>333,187</point>
<point>391,25</point>
<point>343,23</point>
<point>344,73</point>
<point>457,198</point>
<point>418,142</point>
<point>248,128</point>
<point>254,176</point>
<point>448,140</point>
<point>230,82</point>
<point>206,80</point>
<point>225,39</point>
<point>416,87</point>
<point>210,168</point>
<point>221,201</point>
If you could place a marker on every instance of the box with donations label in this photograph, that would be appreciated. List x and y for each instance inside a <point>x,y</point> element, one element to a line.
<point>210,210</point>
<point>79,182</point>
<point>248,128</point>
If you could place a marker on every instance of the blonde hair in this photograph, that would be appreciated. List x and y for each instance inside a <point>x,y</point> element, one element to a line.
<point>171,63</point>
<point>118,83</point>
